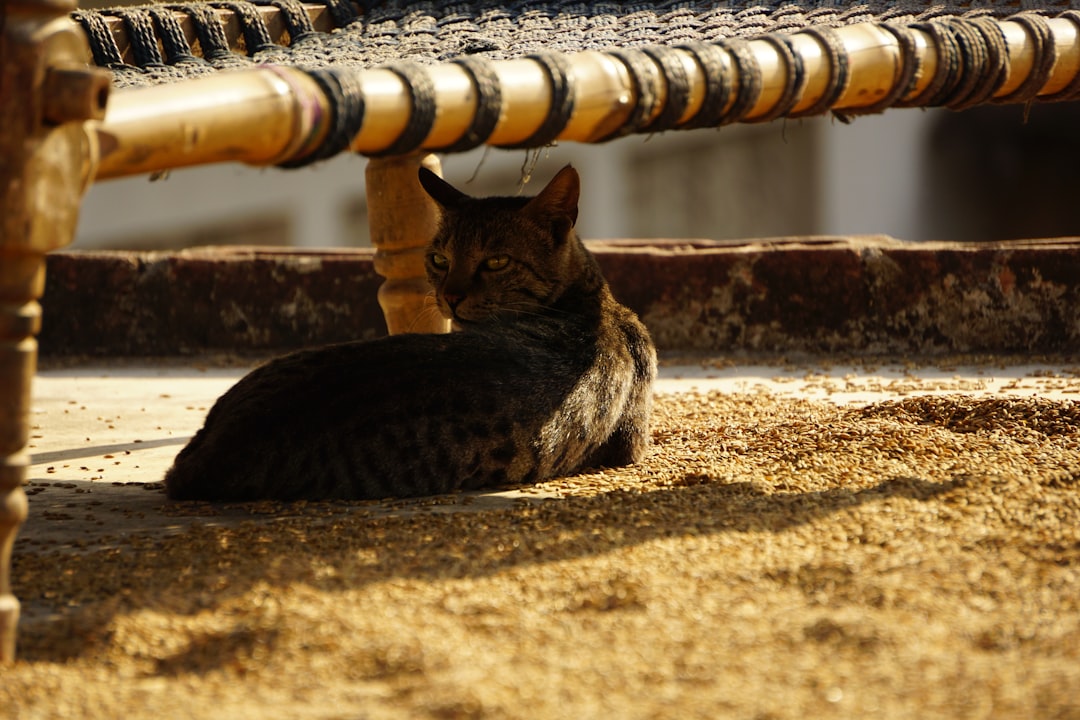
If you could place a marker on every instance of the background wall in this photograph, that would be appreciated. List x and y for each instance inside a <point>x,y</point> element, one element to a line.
<point>912,174</point>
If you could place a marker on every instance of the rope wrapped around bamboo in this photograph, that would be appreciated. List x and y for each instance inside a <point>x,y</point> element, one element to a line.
<point>587,96</point>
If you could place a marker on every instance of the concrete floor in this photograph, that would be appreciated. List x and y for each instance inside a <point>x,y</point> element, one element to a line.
<point>103,434</point>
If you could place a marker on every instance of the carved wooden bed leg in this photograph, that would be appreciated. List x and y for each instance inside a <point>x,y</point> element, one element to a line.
<point>402,219</point>
<point>49,158</point>
<point>17,359</point>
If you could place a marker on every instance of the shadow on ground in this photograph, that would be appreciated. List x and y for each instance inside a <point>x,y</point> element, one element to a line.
<point>200,556</point>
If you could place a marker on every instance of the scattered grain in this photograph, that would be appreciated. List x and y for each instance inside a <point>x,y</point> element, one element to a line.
<point>769,558</point>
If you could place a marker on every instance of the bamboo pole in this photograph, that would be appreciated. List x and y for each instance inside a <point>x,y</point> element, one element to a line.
<point>263,116</point>
<point>48,160</point>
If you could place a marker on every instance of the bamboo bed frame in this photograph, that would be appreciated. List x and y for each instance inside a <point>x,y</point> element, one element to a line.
<point>61,127</point>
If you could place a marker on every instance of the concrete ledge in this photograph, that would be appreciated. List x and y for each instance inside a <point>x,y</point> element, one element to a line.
<point>867,294</point>
<point>207,299</point>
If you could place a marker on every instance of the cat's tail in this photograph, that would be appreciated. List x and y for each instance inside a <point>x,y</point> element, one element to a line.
<point>209,468</point>
<point>182,479</point>
<point>197,473</point>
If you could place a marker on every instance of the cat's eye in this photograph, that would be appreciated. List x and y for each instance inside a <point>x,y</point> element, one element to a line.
<point>440,261</point>
<point>496,263</point>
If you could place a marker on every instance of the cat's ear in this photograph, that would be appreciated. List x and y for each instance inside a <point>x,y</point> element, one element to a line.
<point>558,201</point>
<point>440,191</point>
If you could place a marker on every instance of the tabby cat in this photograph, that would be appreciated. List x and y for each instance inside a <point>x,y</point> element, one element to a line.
<point>546,374</point>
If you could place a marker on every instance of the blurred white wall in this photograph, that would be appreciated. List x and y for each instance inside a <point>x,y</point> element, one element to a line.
<point>791,177</point>
<point>871,173</point>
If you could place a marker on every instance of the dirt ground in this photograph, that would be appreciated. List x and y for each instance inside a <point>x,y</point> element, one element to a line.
<point>836,543</point>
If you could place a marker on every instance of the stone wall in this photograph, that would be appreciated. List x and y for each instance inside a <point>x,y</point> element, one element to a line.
<point>866,295</point>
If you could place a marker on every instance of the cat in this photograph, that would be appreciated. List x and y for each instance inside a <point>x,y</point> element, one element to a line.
<point>545,374</point>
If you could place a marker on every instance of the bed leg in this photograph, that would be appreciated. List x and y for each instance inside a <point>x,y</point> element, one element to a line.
<point>17,360</point>
<point>403,219</point>
<point>49,158</point>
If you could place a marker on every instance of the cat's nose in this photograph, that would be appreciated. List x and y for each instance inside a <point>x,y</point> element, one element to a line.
<point>453,299</point>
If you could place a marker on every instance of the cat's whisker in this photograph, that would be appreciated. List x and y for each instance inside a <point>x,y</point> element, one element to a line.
<point>504,316</point>
<point>532,309</point>
<point>517,312</point>
<point>426,313</point>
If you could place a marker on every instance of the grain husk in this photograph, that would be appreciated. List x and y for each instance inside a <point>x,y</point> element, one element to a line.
<point>771,558</point>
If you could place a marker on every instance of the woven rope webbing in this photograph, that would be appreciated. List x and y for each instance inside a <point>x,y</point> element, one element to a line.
<point>408,36</point>
<point>378,33</point>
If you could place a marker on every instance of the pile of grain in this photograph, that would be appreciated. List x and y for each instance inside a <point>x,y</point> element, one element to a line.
<point>772,558</point>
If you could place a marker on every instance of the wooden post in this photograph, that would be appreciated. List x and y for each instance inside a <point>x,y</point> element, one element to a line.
<point>46,159</point>
<point>403,220</point>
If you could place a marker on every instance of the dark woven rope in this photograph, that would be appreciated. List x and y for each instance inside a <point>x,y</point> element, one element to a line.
<point>556,67</point>
<point>296,18</point>
<point>1045,57</point>
<point>748,75</point>
<point>677,88</point>
<point>144,46</point>
<point>644,77</point>
<point>175,46</point>
<point>986,61</point>
<point>422,116</point>
<point>972,54</point>
<point>488,105</point>
<point>972,63</point>
<point>909,67</point>
<point>103,45</point>
<point>839,71</point>
<point>1072,90</point>
<point>346,96</point>
<point>716,66</point>
<point>796,75</point>
<point>725,65</point>
<point>972,58</point>
<point>342,12</point>
<point>427,32</point>
<point>256,34</point>
<point>211,33</point>
<point>948,67</point>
